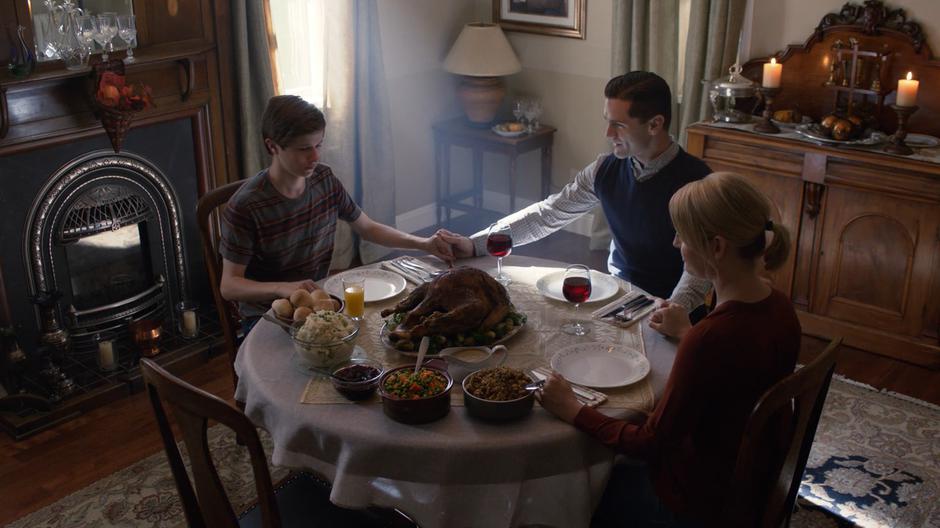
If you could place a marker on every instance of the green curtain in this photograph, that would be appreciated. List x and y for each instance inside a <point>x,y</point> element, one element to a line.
<point>645,37</point>
<point>254,82</point>
<point>714,33</point>
<point>358,142</point>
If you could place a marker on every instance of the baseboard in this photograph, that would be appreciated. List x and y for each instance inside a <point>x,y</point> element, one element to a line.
<point>426,216</point>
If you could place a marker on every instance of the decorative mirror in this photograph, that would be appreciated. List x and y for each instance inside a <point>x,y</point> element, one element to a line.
<point>60,27</point>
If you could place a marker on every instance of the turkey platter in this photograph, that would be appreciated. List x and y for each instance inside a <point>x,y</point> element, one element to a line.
<point>463,307</point>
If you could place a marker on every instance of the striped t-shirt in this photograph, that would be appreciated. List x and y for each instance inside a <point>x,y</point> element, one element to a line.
<point>284,239</point>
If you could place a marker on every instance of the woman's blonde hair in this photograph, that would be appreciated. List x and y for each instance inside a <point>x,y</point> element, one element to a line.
<point>725,204</point>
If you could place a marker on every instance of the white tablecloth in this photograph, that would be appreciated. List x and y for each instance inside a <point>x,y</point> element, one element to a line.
<point>456,471</point>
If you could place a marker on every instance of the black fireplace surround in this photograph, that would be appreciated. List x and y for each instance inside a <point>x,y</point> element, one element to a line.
<point>115,233</point>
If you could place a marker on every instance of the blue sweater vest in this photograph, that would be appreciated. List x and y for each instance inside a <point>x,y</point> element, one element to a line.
<point>641,251</point>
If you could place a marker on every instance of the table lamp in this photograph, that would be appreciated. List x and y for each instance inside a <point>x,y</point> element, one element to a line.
<point>481,56</point>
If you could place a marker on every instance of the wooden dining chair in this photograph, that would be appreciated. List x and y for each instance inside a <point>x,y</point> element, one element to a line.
<point>302,501</point>
<point>208,217</point>
<point>770,504</point>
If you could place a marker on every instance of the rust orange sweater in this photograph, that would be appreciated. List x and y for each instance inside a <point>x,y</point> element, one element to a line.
<point>723,366</point>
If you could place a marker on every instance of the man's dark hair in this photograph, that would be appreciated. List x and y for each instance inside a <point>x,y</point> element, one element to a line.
<point>287,117</point>
<point>648,93</point>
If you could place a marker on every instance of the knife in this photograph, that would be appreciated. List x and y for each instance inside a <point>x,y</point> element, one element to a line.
<point>635,309</point>
<point>625,305</point>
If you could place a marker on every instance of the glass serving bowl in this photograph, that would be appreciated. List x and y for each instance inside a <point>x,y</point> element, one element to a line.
<point>325,354</point>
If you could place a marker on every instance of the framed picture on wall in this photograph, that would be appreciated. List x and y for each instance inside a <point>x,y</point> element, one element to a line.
<point>560,18</point>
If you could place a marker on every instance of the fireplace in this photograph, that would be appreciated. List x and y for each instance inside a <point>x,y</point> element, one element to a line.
<point>105,232</point>
<point>115,236</point>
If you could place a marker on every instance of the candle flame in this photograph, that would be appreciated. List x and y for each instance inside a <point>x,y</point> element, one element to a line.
<point>909,76</point>
<point>774,61</point>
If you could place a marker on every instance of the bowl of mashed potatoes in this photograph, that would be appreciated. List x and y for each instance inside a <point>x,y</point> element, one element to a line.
<point>325,338</point>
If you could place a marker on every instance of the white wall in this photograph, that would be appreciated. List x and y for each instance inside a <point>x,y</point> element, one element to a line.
<point>778,23</point>
<point>416,35</point>
<point>568,76</point>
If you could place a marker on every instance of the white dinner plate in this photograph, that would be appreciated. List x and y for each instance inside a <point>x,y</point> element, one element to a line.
<point>501,130</point>
<point>600,366</point>
<point>379,284</point>
<point>603,286</point>
<point>921,141</point>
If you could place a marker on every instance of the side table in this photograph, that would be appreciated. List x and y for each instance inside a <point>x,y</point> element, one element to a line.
<point>456,132</point>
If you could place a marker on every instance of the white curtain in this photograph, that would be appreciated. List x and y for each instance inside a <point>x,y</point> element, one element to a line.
<point>329,52</point>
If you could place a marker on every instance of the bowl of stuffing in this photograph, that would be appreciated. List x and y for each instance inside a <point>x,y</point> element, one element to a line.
<point>414,398</point>
<point>498,394</point>
<point>325,338</point>
<point>357,378</point>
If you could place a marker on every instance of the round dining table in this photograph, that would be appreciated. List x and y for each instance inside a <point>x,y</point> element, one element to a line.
<point>456,471</point>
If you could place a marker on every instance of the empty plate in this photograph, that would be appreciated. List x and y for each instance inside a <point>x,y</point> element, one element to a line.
<point>379,284</point>
<point>600,366</point>
<point>921,141</point>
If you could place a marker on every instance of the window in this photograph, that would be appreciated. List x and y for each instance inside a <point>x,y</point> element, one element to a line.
<point>300,48</point>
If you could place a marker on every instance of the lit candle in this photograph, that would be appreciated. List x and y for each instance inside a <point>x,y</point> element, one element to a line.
<point>189,323</point>
<point>907,91</point>
<point>772,73</point>
<point>106,355</point>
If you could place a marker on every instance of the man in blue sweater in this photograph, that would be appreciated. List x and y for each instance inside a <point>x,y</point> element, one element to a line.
<point>633,185</point>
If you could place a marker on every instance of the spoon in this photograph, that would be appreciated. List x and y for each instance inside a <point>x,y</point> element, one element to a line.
<point>422,350</point>
<point>535,385</point>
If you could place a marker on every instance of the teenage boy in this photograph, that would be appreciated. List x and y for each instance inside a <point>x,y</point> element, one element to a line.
<point>277,230</point>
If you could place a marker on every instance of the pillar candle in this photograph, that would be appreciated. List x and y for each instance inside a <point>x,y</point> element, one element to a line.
<point>907,91</point>
<point>772,73</point>
<point>189,323</point>
<point>106,355</point>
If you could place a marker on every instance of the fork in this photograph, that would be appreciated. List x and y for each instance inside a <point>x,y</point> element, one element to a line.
<point>623,317</point>
<point>408,263</point>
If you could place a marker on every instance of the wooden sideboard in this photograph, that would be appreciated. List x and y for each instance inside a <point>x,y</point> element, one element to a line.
<point>865,263</point>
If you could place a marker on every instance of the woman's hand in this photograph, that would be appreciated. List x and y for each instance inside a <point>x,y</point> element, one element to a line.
<point>670,319</point>
<point>557,397</point>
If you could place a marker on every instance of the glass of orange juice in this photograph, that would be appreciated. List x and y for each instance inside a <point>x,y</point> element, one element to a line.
<point>354,294</point>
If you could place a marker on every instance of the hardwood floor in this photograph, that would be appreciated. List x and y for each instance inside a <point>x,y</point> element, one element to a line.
<point>49,466</point>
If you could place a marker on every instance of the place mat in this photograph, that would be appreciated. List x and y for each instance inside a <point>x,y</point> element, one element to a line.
<point>532,348</point>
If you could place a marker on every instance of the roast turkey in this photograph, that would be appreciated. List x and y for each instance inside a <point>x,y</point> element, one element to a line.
<point>461,300</point>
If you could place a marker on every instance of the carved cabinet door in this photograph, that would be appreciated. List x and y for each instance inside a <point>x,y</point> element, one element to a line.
<point>878,256</point>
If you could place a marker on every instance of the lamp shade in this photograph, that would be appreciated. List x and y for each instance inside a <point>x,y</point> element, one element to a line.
<point>482,50</point>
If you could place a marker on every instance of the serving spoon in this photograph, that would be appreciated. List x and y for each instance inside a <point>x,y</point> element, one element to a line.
<point>422,350</point>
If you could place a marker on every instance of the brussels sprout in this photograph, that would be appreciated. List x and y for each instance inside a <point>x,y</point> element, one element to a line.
<point>404,344</point>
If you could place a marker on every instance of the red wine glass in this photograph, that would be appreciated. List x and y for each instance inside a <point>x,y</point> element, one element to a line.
<point>499,245</point>
<point>576,289</point>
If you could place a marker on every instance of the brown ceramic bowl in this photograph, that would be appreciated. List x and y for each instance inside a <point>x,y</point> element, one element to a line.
<point>496,410</point>
<point>417,411</point>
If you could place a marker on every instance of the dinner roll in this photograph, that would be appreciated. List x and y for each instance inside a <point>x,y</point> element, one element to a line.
<point>319,295</point>
<point>282,308</point>
<point>301,298</point>
<point>324,304</point>
<point>301,313</point>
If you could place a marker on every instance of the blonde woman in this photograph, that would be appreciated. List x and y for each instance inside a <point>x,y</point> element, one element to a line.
<point>689,444</point>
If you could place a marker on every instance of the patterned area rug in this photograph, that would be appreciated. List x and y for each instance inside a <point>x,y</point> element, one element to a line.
<point>875,463</point>
<point>876,459</point>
